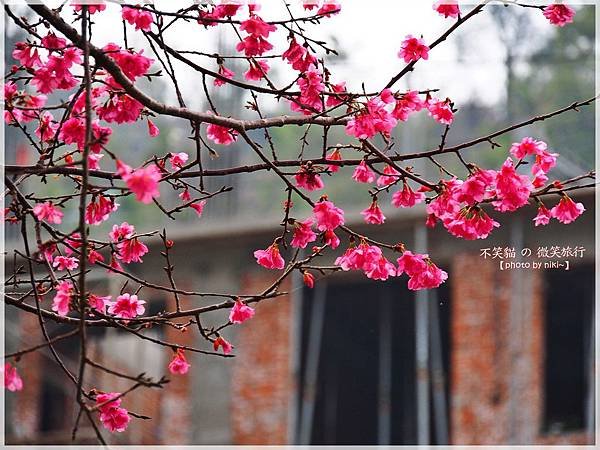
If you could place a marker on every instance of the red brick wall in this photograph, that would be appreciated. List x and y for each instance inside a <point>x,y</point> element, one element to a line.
<point>262,381</point>
<point>496,389</point>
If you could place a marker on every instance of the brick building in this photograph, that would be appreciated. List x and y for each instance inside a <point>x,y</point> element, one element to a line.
<point>492,357</point>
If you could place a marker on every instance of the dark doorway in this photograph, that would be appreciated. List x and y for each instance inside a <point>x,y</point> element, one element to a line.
<point>568,348</point>
<point>360,388</point>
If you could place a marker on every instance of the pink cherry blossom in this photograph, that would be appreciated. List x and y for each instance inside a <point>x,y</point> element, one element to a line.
<point>143,182</point>
<point>308,279</point>
<point>527,146</point>
<point>512,189</point>
<point>98,6</point>
<point>336,99</point>
<point>363,174</point>
<point>471,223</point>
<point>221,342</point>
<point>113,417</point>
<point>240,312</point>
<point>559,14</point>
<point>373,214</point>
<point>477,187</point>
<point>440,111</point>
<point>423,273</point>
<point>330,7</point>
<point>303,233</point>
<point>99,303</point>
<point>309,180</point>
<point>178,160</point>
<point>27,55</point>
<point>407,198</point>
<point>270,258</point>
<point>153,130</point>
<point>257,71</point>
<point>299,57</point>
<point>543,216</point>
<point>122,231</point>
<point>413,49</point>
<point>127,307</point>
<point>48,212</point>
<point>65,263</point>
<point>390,176</point>
<point>373,119</point>
<point>141,19</point>
<point>406,105</point>
<point>179,365</point>
<point>12,380</point>
<point>224,72</point>
<point>255,43</point>
<point>331,239</point>
<point>94,257</point>
<point>311,86</point>
<point>327,215</point>
<point>62,299</point>
<point>221,135</point>
<point>47,127</point>
<point>185,195</point>
<point>335,155</point>
<point>198,207</point>
<point>447,8</point>
<point>131,250</point>
<point>99,210</point>
<point>566,211</point>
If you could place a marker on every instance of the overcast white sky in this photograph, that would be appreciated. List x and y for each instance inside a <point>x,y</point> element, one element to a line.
<point>370,36</point>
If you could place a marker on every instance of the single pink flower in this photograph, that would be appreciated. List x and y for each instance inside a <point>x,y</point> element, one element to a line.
<point>178,160</point>
<point>543,216</point>
<point>527,146</point>
<point>303,233</point>
<point>131,250</point>
<point>221,135</point>
<point>413,49</point>
<point>143,182</point>
<point>123,231</point>
<point>407,198</point>
<point>440,111</point>
<point>153,130</point>
<point>48,212</point>
<point>141,19</point>
<point>224,72</point>
<point>257,71</point>
<point>331,239</point>
<point>447,8</point>
<point>127,306</point>
<point>373,214</point>
<point>113,417</point>
<point>363,173</point>
<point>559,14</point>
<point>198,207</point>
<point>406,105</point>
<point>99,303</point>
<point>62,299</point>
<point>240,312</point>
<point>327,215</point>
<point>566,211</point>
<point>308,279</point>
<point>512,189</point>
<point>477,187</point>
<point>179,365</point>
<point>12,380</point>
<point>65,263</point>
<point>270,258</point>
<point>309,180</point>
<point>221,342</point>
<point>335,155</point>
<point>99,210</point>
<point>390,176</point>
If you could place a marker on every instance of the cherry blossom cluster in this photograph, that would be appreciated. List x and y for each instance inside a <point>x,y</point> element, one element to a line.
<point>72,141</point>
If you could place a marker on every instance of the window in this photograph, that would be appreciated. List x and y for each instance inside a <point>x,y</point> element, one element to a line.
<point>568,348</point>
<point>358,369</point>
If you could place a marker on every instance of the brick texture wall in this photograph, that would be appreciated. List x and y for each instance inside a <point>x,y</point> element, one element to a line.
<point>497,356</point>
<point>262,380</point>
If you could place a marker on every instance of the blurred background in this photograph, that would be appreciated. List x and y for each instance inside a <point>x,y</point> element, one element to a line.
<point>491,357</point>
